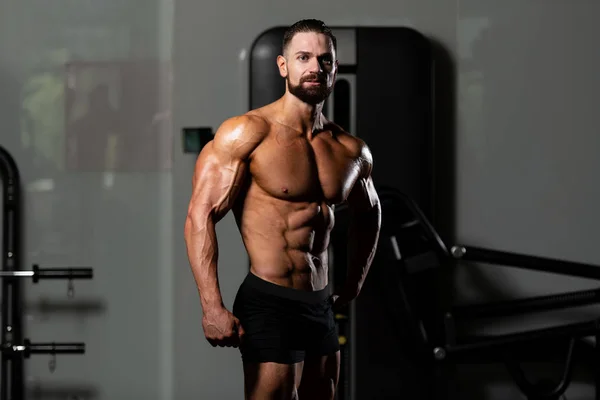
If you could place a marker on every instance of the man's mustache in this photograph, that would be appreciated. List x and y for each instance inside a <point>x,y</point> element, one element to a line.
<point>314,78</point>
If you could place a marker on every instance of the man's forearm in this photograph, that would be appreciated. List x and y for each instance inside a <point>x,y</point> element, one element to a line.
<point>363,236</point>
<point>202,248</point>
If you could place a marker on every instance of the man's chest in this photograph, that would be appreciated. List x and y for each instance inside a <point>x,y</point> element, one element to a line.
<point>305,170</point>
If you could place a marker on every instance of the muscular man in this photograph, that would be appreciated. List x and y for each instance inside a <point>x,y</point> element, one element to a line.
<point>281,169</point>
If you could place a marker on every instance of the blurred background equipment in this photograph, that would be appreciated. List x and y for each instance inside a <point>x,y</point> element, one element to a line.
<point>15,348</point>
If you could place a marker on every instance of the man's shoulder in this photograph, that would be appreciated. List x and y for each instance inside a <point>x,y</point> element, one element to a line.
<point>357,147</point>
<point>240,135</point>
<point>244,125</point>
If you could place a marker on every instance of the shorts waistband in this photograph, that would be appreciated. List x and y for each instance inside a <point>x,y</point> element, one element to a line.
<point>286,292</point>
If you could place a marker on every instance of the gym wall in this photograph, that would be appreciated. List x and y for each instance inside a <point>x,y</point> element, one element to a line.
<point>78,78</point>
<point>519,136</point>
<point>518,164</point>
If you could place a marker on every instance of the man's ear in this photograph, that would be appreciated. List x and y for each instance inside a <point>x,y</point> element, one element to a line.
<point>282,65</point>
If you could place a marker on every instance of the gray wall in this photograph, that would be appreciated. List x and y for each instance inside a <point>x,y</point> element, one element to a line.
<point>115,216</point>
<point>525,137</point>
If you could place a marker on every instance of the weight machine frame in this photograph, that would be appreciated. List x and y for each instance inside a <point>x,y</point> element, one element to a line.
<point>442,346</point>
<point>14,347</point>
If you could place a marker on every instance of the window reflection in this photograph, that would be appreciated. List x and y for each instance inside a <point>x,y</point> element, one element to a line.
<point>116,117</point>
<point>85,109</point>
<point>85,105</point>
<point>471,34</point>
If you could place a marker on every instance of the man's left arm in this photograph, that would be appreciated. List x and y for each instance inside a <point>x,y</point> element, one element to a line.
<point>364,226</point>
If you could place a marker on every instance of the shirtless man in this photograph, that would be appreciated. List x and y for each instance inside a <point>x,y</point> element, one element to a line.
<point>281,169</point>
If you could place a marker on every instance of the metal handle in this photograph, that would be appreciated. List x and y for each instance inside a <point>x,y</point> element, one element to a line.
<point>528,305</point>
<point>545,264</point>
<point>29,348</point>
<point>575,330</point>
<point>50,273</point>
<point>61,273</point>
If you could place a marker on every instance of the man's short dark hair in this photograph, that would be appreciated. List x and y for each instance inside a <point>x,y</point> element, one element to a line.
<point>308,25</point>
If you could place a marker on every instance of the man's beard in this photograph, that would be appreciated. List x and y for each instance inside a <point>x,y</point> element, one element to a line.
<point>312,95</point>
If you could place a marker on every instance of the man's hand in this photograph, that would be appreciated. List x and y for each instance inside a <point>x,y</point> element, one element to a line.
<point>336,305</point>
<point>340,300</point>
<point>222,328</point>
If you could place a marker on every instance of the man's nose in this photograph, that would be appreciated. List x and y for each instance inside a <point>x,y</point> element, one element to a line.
<point>315,65</point>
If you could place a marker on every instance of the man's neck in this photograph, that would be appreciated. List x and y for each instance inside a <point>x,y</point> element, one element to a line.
<point>301,116</point>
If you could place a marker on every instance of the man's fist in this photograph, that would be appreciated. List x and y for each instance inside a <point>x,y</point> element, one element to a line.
<point>222,328</point>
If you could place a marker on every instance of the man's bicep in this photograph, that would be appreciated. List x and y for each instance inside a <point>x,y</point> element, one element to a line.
<point>222,166</point>
<point>363,196</point>
<point>218,177</point>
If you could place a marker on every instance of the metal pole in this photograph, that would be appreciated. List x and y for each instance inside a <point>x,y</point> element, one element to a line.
<point>49,273</point>
<point>528,305</point>
<point>596,360</point>
<point>12,329</point>
<point>575,330</point>
<point>535,263</point>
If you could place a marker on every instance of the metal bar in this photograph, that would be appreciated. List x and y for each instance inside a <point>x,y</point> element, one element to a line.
<point>49,348</point>
<point>50,273</point>
<point>392,194</point>
<point>16,274</point>
<point>532,391</point>
<point>61,273</point>
<point>533,304</point>
<point>535,263</point>
<point>12,329</point>
<point>580,329</point>
<point>4,385</point>
<point>596,359</point>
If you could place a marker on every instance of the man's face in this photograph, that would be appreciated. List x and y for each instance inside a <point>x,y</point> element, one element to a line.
<point>309,67</point>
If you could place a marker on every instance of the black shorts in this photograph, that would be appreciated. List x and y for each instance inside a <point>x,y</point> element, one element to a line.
<point>283,325</point>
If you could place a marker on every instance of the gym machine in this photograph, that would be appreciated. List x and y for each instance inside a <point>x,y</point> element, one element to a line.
<point>395,117</point>
<point>420,259</point>
<point>15,348</point>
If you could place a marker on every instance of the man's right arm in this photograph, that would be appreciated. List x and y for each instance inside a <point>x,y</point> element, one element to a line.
<point>218,176</point>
